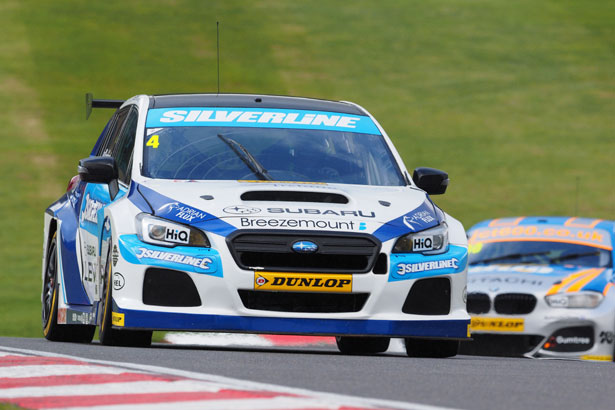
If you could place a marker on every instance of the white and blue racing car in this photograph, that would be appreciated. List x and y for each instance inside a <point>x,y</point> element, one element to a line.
<point>255,214</point>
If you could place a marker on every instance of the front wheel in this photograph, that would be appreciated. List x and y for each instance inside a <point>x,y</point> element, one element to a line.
<point>362,345</point>
<point>431,348</point>
<point>51,329</point>
<point>116,337</point>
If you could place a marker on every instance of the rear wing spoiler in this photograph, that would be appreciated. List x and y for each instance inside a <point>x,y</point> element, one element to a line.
<point>90,103</point>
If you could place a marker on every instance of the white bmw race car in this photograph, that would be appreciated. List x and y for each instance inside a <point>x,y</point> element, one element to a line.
<point>255,214</point>
<point>542,287</point>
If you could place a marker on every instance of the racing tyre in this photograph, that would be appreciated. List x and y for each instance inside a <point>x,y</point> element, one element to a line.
<point>51,329</point>
<point>431,348</point>
<point>115,337</point>
<point>362,345</point>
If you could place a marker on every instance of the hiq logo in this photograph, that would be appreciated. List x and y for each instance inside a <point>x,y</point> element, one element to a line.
<point>425,243</point>
<point>177,235</point>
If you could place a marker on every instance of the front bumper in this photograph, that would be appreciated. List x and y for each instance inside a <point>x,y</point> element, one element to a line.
<point>219,281</point>
<point>586,334</point>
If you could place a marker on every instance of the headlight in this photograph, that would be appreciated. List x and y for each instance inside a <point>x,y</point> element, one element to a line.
<point>429,241</point>
<point>166,233</point>
<point>586,300</point>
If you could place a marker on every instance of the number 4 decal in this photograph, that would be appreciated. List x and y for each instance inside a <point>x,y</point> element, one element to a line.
<point>153,142</point>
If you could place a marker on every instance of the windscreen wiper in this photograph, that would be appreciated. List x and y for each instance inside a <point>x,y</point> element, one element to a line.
<point>574,256</point>
<point>247,158</point>
<point>510,256</point>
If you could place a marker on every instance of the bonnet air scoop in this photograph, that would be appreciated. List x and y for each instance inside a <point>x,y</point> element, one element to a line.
<point>295,196</point>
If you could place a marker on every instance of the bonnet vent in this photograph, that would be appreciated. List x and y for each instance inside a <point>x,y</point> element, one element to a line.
<point>294,196</point>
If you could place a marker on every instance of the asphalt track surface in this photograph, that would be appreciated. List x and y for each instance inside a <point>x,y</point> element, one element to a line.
<point>463,382</point>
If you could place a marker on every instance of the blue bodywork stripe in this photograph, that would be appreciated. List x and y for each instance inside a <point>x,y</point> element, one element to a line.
<point>75,293</point>
<point>137,199</point>
<point>419,219</point>
<point>170,209</point>
<point>395,328</point>
<point>599,283</point>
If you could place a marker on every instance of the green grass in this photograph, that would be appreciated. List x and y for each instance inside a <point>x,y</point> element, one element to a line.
<point>5,406</point>
<point>514,99</point>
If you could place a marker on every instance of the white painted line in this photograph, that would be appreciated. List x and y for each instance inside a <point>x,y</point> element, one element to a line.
<point>239,339</point>
<point>248,385</point>
<point>56,370</point>
<point>180,386</point>
<point>276,403</point>
<point>216,339</point>
<point>397,346</point>
<point>4,354</point>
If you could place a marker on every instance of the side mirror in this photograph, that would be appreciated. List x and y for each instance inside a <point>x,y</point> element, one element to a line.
<point>100,170</point>
<point>433,181</point>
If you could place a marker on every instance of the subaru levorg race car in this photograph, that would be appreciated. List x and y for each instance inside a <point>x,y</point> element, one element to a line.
<point>542,287</point>
<point>257,214</point>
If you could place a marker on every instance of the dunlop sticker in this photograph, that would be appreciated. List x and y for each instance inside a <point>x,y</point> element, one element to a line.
<point>302,282</point>
<point>597,358</point>
<point>496,324</point>
<point>117,319</point>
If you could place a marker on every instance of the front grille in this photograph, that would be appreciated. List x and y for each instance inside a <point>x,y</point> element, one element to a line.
<point>478,303</point>
<point>514,303</point>
<point>303,302</point>
<point>166,287</point>
<point>429,297</point>
<point>272,250</point>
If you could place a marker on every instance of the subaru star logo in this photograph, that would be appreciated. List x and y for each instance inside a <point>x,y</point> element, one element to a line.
<point>304,247</point>
<point>241,210</point>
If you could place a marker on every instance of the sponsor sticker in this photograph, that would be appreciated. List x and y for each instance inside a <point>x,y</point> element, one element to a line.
<point>90,211</point>
<point>556,233</point>
<point>418,219</point>
<point>422,243</point>
<point>115,255</point>
<point>303,282</point>
<point>118,281</point>
<point>405,268</point>
<point>597,358</point>
<point>183,213</point>
<point>192,259</point>
<point>607,337</point>
<point>301,224</point>
<point>81,318</point>
<point>408,266</point>
<point>259,118</point>
<point>201,263</point>
<point>117,319</point>
<point>61,316</point>
<point>177,235</point>
<point>487,324</point>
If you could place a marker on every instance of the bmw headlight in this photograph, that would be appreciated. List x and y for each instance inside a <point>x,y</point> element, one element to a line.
<point>159,231</point>
<point>586,300</point>
<point>429,241</point>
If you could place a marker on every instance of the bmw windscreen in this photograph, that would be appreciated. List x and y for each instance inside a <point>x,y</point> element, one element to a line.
<point>313,147</point>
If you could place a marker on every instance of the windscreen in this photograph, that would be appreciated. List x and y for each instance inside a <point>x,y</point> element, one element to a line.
<point>175,149</point>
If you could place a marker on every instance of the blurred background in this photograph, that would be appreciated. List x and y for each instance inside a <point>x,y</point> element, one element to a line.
<point>515,100</point>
